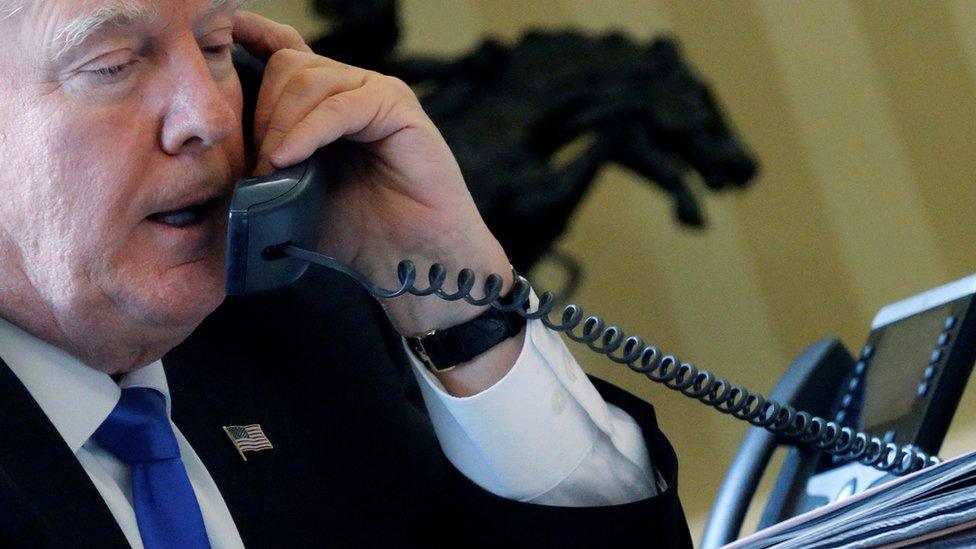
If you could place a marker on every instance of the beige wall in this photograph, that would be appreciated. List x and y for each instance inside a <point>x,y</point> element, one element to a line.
<point>862,114</point>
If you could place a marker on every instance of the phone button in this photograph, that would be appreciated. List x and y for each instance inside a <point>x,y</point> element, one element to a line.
<point>890,435</point>
<point>936,356</point>
<point>840,417</point>
<point>854,383</point>
<point>866,352</point>
<point>860,367</point>
<point>944,339</point>
<point>923,388</point>
<point>846,401</point>
<point>950,323</point>
<point>929,372</point>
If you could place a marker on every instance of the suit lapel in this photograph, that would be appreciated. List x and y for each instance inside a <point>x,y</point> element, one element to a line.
<point>36,459</point>
<point>313,373</point>
<point>212,387</point>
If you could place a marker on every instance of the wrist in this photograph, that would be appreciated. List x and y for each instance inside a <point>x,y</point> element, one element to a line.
<point>485,370</point>
<point>443,350</point>
<point>412,315</point>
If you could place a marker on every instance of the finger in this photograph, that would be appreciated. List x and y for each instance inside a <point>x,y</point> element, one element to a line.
<point>263,37</point>
<point>361,115</point>
<point>339,115</point>
<point>297,75</point>
<point>303,94</point>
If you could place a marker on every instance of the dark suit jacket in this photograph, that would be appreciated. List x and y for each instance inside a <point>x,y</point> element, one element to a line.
<point>355,460</point>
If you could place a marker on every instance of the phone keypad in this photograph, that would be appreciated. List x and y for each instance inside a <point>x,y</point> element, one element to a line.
<point>867,352</point>
<point>850,401</point>
<point>938,353</point>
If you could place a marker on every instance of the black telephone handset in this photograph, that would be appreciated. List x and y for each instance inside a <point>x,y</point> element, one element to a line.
<point>274,226</point>
<point>266,212</point>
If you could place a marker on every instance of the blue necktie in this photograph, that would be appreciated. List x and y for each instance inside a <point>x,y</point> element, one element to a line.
<point>138,432</point>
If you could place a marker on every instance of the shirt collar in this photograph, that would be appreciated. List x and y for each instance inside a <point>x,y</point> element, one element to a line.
<point>75,397</point>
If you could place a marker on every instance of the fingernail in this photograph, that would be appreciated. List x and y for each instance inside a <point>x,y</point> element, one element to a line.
<point>278,157</point>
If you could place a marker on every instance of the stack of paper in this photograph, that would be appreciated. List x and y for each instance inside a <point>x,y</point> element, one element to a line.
<point>934,507</point>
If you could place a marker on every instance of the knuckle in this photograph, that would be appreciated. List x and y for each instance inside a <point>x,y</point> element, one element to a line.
<point>386,80</point>
<point>336,104</point>
<point>281,58</point>
<point>290,36</point>
<point>391,84</point>
<point>344,67</point>
<point>400,87</point>
<point>302,81</point>
<point>400,92</point>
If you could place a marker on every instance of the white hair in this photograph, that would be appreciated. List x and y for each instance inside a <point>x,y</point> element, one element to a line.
<point>116,12</point>
<point>10,7</point>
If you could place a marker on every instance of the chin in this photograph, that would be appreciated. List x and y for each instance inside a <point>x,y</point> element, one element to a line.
<point>188,312</point>
<point>182,298</point>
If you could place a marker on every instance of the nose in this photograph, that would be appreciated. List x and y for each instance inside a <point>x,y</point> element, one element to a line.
<point>199,115</point>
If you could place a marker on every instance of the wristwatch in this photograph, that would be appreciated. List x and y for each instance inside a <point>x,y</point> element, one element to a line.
<point>442,350</point>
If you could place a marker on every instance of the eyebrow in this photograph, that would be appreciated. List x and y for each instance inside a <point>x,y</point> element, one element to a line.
<point>119,13</point>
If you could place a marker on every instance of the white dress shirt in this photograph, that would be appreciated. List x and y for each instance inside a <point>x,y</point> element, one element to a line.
<point>542,434</point>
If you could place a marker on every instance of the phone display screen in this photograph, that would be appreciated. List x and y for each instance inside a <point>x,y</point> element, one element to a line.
<point>900,357</point>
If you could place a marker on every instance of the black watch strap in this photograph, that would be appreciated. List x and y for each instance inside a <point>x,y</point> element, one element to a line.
<point>442,350</point>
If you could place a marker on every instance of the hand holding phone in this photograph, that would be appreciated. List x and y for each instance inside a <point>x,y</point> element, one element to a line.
<point>399,191</point>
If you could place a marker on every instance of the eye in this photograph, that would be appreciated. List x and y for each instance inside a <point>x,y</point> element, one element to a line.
<point>111,73</point>
<point>218,50</point>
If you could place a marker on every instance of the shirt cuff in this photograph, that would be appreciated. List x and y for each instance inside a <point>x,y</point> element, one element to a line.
<point>527,433</point>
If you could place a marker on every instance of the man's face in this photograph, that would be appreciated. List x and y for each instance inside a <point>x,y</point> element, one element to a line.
<point>120,139</point>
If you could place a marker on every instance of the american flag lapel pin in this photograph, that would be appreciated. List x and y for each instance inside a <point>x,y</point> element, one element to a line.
<point>248,438</point>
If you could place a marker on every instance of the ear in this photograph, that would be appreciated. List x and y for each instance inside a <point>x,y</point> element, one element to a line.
<point>250,70</point>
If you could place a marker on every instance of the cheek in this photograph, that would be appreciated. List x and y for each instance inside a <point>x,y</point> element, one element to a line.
<point>34,183</point>
<point>68,185</point>
<point>102,159</point>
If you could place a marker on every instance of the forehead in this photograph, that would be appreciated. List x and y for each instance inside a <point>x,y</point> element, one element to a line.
<point>68,23</point>
<point>75,8</point>
<point>79,19</point>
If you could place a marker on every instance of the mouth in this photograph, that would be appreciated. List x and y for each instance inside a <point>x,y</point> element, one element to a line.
<point>188,216</point>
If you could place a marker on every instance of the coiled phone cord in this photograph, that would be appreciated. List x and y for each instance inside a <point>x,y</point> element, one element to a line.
<point>611,341</point>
